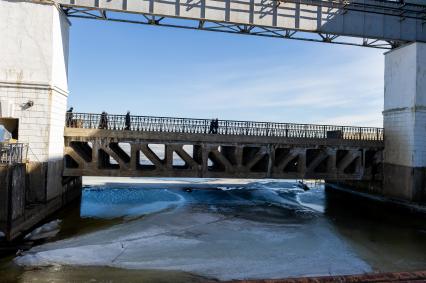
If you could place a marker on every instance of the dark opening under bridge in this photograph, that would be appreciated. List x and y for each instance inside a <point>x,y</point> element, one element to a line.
<point>182,147</point>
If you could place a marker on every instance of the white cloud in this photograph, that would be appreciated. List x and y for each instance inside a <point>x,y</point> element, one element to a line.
<point>352,86</point>
<point>365,120</point>
<point>338,85</point>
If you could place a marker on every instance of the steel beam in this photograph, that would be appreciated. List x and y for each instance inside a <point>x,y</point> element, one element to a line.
<point>369,23</point>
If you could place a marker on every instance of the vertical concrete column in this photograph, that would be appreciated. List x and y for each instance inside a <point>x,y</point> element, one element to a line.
<point>34,81</point>
<point>405,122</point>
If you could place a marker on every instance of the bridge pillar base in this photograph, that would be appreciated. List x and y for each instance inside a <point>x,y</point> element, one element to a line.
<point>405,123</point>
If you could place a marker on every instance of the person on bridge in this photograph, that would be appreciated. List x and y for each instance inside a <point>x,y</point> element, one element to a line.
<point>70,117</point>
<point>103,123</point>
<point>216,126</point>
<point>127,122</point>
<point>212,123</point>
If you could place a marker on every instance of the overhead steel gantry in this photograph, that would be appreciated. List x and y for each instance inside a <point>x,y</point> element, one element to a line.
<point>372,23</point>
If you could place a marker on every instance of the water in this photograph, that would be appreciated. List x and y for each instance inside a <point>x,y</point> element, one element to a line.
<point>126,230</point>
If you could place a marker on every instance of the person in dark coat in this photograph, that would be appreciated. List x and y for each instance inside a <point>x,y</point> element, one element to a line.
<point>212,123</point>
<point>70,117</point>
<point>127,122</point>
<point>216,126</point>
<point>103,123</point>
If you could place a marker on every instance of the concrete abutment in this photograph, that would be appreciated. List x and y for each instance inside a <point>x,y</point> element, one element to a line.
<point>404,122</point>
<point>19,209</point>
<point>34,92</point>
<point>404,119</point>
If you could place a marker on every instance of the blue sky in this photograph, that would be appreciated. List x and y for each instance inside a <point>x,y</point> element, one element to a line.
<point>158,71</point>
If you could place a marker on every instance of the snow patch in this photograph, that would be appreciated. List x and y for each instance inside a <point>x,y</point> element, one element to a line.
<point>48,230</point>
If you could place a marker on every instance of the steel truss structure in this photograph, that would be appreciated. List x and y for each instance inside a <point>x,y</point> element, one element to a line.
<point>392,8</point>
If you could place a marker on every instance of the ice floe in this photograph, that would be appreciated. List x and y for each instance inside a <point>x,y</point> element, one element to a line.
<point>47,230</point>
<point>226,234</point>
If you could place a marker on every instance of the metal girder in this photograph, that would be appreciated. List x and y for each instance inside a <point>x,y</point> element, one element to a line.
<point>224,27</point>
<point>380,7</point>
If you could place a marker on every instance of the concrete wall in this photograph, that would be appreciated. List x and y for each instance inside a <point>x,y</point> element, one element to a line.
<point>405,122</point>
<point>4,197</point>
<point>23,202</point>
<point>33,66</point>
<point>12,194</point>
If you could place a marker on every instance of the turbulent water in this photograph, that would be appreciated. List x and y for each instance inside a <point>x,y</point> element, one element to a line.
<point>219,230</point>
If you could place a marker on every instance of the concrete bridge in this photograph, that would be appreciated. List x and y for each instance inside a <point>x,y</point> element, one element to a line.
<point>34,93</point>
<point>179,147</point>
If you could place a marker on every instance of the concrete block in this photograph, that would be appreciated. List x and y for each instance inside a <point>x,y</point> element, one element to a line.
<point>37,182</point>
<point>34,67</point>
<point>4,195</point>
<point>405,122</point>
<point>17,191</point>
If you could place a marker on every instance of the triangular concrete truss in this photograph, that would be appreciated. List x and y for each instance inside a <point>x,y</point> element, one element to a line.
<point>104,157</point>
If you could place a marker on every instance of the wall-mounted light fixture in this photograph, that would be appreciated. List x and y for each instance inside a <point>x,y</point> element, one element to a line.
<point>27,105</point>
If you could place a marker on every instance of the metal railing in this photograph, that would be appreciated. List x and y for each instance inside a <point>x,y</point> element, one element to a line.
<point>11,153</point>
<point>225,127</point>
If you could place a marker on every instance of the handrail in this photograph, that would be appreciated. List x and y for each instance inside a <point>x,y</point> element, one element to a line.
<point>225,127</point>
<point>12,153</point>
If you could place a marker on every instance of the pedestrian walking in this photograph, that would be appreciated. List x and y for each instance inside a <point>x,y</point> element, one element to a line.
<point>69,117</point>
<point>127,122</point>
<point>212,125</point>
<point>216,126</point>
<point>103,123</point>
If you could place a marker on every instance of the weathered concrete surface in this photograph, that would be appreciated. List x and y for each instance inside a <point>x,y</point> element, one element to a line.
<point>23,202</point>
<point>405,123</point>
<point>405,182</point>
<point>34,92</point>
<point>36,191</point>
<point>33,69</point>
<point>12,194</point>
<point>91,152</point>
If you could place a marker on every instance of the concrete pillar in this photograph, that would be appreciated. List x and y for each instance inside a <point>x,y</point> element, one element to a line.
<point>34,82</point>
<point>405,123</point>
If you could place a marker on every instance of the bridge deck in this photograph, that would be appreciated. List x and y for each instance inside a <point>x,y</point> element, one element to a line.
<point>176,147</point>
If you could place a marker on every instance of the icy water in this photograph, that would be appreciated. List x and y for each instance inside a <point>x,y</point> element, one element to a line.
<point>128,230</point>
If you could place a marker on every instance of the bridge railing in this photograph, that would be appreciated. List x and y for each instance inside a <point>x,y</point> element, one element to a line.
<point>225,127</point>
<point>12,153</point>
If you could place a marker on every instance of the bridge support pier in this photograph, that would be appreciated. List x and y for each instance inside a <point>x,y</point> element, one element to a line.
<point>405,123</point>
<point>33,101</point>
